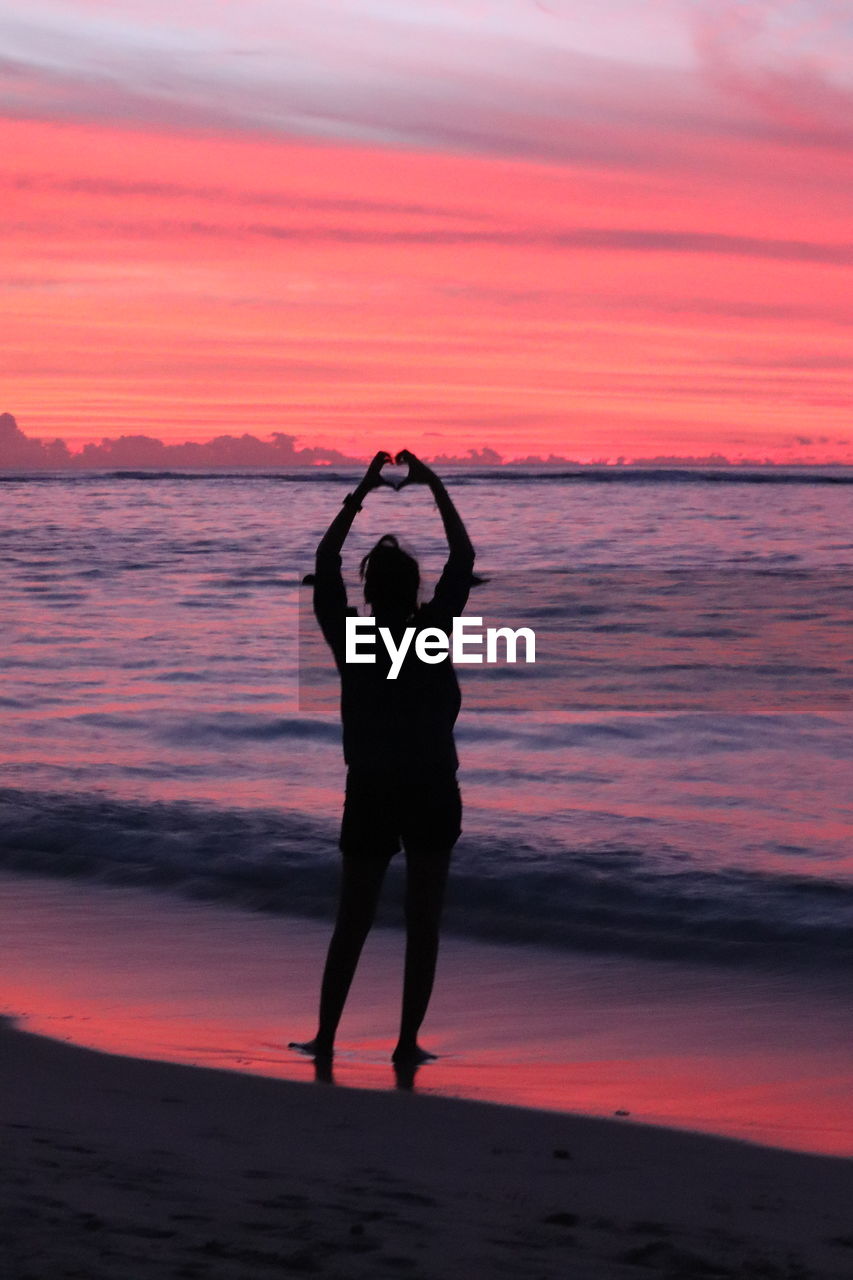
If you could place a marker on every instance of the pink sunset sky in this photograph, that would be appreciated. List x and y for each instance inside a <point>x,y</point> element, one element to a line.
<point>589,227</point>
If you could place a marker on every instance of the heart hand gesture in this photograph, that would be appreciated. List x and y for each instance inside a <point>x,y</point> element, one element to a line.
<point>419,472</point>
<point>373,478</point>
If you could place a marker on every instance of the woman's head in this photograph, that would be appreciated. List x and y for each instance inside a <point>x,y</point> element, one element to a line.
<point>391,577</point>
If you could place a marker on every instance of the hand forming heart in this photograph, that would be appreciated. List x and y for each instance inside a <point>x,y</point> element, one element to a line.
<point>397,485</point>
<point>417,473</point>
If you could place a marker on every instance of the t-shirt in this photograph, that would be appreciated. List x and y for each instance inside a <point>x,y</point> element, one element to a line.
<point>402,726</point>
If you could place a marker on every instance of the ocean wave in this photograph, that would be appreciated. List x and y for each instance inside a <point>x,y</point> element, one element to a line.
<point>461,474</point>
<point>242,725</point>
<point>603,897</point>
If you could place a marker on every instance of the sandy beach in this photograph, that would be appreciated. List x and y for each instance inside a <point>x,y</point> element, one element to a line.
<point>762,1057</point>
<point>426,436</point>
<point>116,1167</point>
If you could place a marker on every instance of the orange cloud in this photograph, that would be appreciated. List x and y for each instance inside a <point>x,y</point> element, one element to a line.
<point>660,285</point>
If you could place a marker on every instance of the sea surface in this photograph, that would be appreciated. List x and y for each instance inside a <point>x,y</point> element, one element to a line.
<point>670,779</point>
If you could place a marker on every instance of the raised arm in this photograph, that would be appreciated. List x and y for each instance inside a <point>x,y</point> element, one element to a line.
<point>333,539</point>
<point>459,544</point>
<point>330,597</point>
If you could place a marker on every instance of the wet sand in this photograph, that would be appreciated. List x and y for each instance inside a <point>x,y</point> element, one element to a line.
<point>132,972</point>
<point>116,1167</point>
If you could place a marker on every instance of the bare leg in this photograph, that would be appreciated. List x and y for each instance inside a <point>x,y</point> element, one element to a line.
<point>426,877</point>
<point>361,882</point>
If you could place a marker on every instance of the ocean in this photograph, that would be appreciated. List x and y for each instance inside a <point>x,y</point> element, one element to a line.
<point>670,780</point>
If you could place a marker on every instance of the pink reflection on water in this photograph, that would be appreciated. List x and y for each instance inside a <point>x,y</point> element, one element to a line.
<point>141,975</point>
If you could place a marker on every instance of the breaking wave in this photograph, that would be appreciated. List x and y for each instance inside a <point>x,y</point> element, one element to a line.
<point>601,897</point>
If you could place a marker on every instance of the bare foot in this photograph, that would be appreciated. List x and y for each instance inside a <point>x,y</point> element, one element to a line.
<point>411,1055</point>
<point>315,1048</point>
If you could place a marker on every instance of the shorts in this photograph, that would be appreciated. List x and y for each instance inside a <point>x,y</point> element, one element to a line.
<point>383,811</point>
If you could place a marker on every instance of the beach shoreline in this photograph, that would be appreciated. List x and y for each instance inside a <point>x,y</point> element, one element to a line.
<point>152,975</point>
<point>122,1167</point>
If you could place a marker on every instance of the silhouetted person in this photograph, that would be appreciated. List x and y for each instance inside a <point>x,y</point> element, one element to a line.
<point>398,746</point>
